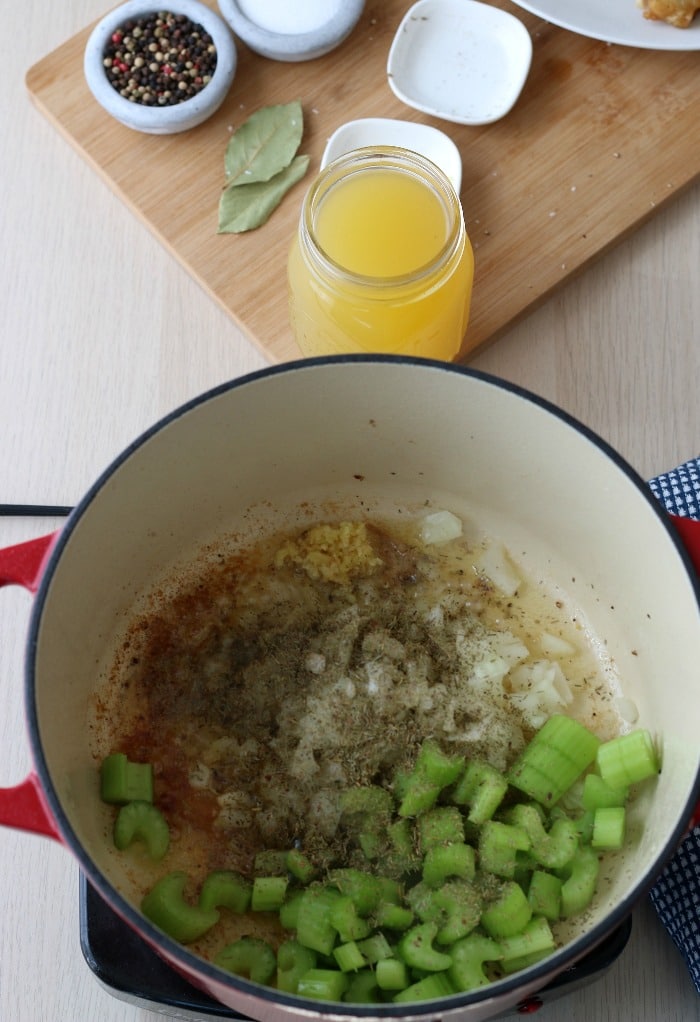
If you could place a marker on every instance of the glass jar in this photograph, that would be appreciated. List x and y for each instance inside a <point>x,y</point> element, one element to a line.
<point>381,261</point>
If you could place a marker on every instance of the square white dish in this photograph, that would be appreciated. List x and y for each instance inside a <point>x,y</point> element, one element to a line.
<point>460,60</point>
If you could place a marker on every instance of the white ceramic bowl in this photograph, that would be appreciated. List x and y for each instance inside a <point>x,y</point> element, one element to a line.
<point>421,138</point>
<point>161,120</point>
<point>288,31</point>
<point>460,60</point>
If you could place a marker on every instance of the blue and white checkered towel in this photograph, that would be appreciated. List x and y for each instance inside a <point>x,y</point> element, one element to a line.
<point>676,896</point>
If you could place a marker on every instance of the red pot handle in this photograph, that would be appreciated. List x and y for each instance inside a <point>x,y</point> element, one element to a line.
<point>23,806</point>
<point>689,531</point>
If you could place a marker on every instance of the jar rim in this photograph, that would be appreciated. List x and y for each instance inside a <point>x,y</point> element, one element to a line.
<point>383,157</point>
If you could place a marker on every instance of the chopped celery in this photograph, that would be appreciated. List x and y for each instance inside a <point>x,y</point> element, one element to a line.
<point>392,974</point>
<point>348,957</point>
<point>551,849</point>
<point>599,795</point>
<point>482,788</point>
<point>375,948</point>
<point>289,911</point>
<point>628,759</point>
<point>452,860</point>
<point>558,754</point>
<point>440,826</point>
<point>544,895</point>
<point>301,868</point>
<point>534,939</point>
<point>462,907</point>
<point>223,888</point>
<point>323,985</point>
<point>251,957</point>
<point>347,921</point>
<point>363,988</point>
<point>416,949</point>
<point>581,878</point>
<point>393,917</point>
<point>499,844</point>
<point>165,906</point>
<point>293,960</point>
<point>508,913</point>
<point>362,888</point>
<point>141,821</point>
<point>268,894</point>
<point>430,988</point>
<point>609,828</point>
<point>314,927</point>
<point>468,958</point>
<point>123,781</point>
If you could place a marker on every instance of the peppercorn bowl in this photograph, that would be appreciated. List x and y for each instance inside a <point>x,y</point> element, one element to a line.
<point>160,70</point>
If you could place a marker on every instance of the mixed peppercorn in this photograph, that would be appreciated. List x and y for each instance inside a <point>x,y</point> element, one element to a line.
<point>160,59</point>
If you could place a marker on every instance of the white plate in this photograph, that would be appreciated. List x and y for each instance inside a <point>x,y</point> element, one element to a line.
<point>421,138</point>
<point>615,21</point>
<point>460,60</point>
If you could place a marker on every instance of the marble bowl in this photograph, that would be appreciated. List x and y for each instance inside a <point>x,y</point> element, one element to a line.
<point>284,43</point>
<point>161,120</point>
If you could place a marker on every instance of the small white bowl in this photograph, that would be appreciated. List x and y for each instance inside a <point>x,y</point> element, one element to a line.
<point>460,60</point>
<point>161,120</point>
<point>299,36</point>
<point>421,138</point>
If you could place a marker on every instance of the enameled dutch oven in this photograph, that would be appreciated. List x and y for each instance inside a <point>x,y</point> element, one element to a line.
<point>360,431</point>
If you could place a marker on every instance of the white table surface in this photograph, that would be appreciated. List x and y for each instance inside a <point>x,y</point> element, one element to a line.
<point>103,332</point>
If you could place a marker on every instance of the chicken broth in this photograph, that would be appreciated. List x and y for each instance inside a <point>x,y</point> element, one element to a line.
<point>317,661</point>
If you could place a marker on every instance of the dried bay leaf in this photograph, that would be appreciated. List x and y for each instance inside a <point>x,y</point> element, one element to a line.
<point>264,144</point>
<point>244,207</point>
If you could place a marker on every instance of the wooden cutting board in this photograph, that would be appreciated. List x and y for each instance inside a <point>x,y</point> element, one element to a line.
<point>600,138</point>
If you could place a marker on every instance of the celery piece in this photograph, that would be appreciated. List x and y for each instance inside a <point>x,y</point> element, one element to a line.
<point>403,856</point>
<point>375,948</point>
<point>293,960</point>
<point>346,920</point>
<point>468,958</point>
<point>609,828</point>
<point>507,913</point>
<point>557,755</point>
<point>289,911</point>
<point>391,890</point>
<point>323,985</point>
<point>438,766</point>
<point>430,988</point>
<point>392,974</point>
<point>524,962</point>
<point>420,795</point>
<point>348,957</point>
<point>416,949</point>
<point>224,888</point>
<point>141,821</point>
<point>551,849</point>
<point>535,938</point>
<point>268,894</point>
<point>499,844</point>
<point>482,788</point>
<point>462,906</point>
<point>369,799</point>
<point>440,826</point>
<point>122,781</point>
<point>599,795</point>
<point>251,957</point>
<point>301,868</point>
<point>452,860</point>
<point>165,906</point>
<point>393,917</point>
<point>544,895</point>
<point>580,884</point>
<point>314,927</point>
<point>363,988</point>
<point>628,759</point>
<point>421,899</point>
<point>271,862</point>
<point>363,888</point>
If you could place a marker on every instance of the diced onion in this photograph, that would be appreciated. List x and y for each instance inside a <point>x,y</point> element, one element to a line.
<point>440,527</point>
<point>495,564</point>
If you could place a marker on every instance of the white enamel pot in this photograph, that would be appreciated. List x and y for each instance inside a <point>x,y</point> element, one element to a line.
<point>361,431</point>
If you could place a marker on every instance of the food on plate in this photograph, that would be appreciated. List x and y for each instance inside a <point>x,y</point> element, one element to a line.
<point>678,13</point>
<point>367,761</point>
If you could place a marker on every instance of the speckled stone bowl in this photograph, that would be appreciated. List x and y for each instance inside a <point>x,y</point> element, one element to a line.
<point>293,46</point>
<point>161,120</point>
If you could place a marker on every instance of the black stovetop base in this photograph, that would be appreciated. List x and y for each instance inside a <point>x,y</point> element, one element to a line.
<point>132,972</point>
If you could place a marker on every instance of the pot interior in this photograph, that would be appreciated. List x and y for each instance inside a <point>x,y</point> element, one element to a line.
<point>368,435</point>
